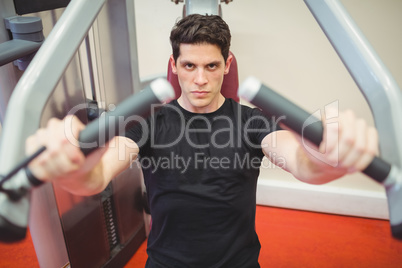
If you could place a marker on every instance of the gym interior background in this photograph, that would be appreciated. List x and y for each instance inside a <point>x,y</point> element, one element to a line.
<point>281,43</point>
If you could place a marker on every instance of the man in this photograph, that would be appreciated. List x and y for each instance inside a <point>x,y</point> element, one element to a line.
<point>200,156</point>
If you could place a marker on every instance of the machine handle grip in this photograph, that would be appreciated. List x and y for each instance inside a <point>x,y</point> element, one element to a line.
<point>126,114</point>
<point>100,131</point>
<point>298,120</point>
<point>96,134</point>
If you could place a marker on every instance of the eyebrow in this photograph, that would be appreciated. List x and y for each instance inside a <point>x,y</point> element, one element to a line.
<point>217,63</point>
<point>185,62</point>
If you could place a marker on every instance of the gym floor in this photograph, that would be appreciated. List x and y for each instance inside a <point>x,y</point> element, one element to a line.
<point>289,238</point>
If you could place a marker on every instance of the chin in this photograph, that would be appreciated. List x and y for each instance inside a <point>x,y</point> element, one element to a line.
<point>200,103</point>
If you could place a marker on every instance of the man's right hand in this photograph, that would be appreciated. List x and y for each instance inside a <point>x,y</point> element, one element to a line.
<point>64,163</point>
<point>62,156</point>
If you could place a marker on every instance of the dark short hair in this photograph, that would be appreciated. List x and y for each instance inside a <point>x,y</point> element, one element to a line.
<point>199,29</point>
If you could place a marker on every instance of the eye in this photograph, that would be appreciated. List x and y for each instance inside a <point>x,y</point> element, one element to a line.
<point>212,66</point>
<point>189,66</point>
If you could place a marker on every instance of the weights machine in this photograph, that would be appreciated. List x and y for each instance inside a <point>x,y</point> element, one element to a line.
<point>105,230</point>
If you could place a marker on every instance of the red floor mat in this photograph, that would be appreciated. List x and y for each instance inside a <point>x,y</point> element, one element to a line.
<point>289,238</point>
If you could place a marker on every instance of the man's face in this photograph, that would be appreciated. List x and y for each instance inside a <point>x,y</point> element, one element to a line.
<point>200,69</point>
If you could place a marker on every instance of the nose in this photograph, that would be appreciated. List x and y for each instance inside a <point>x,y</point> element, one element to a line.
<point>200,77</point>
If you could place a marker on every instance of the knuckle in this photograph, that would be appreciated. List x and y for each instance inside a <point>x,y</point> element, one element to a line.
<point>359,166</point>
<point>40,132</point>
<point>362,123</point>
<point>63,140</point>
<point>333,158</point>
<point>75,121</point>
<point>77,159</point>
<point>42,160</point>
<point>29,141</point>
<point>372,151</point>
<point>348,140</point>
<point>74,118</point>
<point>360,148</point>
<point>64,169</point>
<point>350,112</point>
<point>52,151</point>
<point>52,122</point>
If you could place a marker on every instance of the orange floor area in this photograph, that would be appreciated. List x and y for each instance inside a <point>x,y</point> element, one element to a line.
<point>289,238</point>
<point>292,238</point>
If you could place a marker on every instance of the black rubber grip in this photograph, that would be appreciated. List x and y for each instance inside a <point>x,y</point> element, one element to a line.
<point>116,122</point>
<point>309,127</point>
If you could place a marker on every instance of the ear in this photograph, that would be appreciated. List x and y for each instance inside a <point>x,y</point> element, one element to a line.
<point>173,64</point>
<point>228,62</point>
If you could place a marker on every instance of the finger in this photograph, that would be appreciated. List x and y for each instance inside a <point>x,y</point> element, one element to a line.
<point>330,127</point>
<point>49,169</point>
<point>332,131</point>
<point>342,143</point>
<point>63,164</point>
<point>55,164</point>
<point>32,143</point>
<point>348,133</point>
<point>357,147</point>
<point>66,152</point>
<point>72,126</point>
<point>61,155</point>
<point>66,133</point>
<point>371,150</point>
<point>331,143</point>
<point>69,144</point>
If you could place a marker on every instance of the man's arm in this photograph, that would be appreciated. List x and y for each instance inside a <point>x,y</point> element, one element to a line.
<point>348,145</point>
<point>64,163</point>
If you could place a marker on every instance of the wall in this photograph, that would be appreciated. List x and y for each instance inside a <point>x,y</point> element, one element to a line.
<point>281,43</point>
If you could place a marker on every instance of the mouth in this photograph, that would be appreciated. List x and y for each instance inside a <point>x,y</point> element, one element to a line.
<point>200,93</point>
